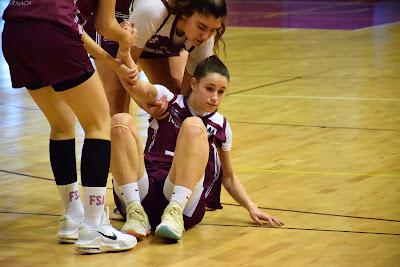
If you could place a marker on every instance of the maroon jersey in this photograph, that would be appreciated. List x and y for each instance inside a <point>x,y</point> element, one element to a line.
<point>61,12</point>
<point>161,142</point>
<point>87,7</point>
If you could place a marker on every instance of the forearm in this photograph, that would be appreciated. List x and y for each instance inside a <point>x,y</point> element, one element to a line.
<point>107,25</point>
<point>113,31</point>
<point>237,191</point>
<point>142,92</point>
<point>99,53</point>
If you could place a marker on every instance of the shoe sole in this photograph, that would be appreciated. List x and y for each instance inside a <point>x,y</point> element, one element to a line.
<point>67,239</point>
<point>164,232</point>
<point>136,234</point>
<point>97,246</point>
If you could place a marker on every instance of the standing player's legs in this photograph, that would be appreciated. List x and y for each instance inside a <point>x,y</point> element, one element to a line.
<point>185,178</point>
<point>62,158</point>
<point>89,104</point>
<point>130,179</point>
<point>118,98</point>
<point>71,76</point>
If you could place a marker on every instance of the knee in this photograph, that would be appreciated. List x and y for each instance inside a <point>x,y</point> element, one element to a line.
<point>62,131</point>
<point>193,127</point>
<point>121,126</point>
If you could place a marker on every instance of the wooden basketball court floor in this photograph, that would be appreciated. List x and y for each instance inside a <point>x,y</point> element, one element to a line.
<point>316,121</point>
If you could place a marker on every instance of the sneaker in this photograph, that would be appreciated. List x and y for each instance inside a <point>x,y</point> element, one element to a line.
<point>116,215</point>
<point>104,238</point>
<point>137,222</point>
<point>68,232</point>
<point>171,226</point>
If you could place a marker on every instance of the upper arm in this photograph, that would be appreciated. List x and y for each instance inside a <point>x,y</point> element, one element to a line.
<point>105,16</point>
<point>147,16</point>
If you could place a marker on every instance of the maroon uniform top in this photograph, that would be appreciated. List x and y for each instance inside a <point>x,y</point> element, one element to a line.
<point>161,142</point>
<point>62,12</point>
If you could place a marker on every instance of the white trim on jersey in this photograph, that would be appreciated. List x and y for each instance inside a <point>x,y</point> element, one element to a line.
<point>217,169</point>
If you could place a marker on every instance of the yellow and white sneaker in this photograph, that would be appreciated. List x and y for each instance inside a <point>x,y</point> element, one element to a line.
<point>172,225</point>
<point>137,222</point>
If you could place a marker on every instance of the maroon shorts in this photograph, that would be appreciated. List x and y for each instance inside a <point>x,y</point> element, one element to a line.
<point>155,202</point>
<point>41,53</point>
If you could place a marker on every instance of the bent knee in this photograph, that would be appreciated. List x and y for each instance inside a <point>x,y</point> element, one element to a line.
<point>122,124</point>
<point>121,118</point>
<point>194,126</point>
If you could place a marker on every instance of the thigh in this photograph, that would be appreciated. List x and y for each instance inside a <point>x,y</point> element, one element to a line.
<point>89,103</point>
<point>117,97</point>
<point>59,115</point>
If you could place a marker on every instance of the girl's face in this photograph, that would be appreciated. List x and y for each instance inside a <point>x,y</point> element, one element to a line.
<point>199,28</point>
<point>208,92</point>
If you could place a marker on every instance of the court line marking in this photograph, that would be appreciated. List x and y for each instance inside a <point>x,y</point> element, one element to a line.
<point>239,169</point>
<point>319,213</point>
<point>315,126</point>
<point>229,204</point>
<point>318,97</point>
<point>263,85</point>
<point>302,229</point>
<point>376,26</point>
<point>234,225</point>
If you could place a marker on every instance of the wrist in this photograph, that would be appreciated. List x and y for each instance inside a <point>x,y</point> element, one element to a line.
<point>113,63</point>
<point>250,206</point>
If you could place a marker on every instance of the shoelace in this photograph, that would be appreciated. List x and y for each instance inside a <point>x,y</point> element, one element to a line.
<point>174,213</point>
<point>135,213</point>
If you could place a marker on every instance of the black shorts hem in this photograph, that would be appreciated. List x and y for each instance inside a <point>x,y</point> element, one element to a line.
<point>71,83</point>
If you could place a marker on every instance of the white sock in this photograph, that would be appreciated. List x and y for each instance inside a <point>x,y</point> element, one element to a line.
<point>117,189</point>
<point>130,192</point>
<point>69,194</point>
<point>93,204</point>
<point>181,195</point>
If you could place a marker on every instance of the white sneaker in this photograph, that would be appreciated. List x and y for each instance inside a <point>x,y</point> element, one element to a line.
<point>104,238</point>
<point>116,215</point>
<point>68,232</point>
<point>172,225</point>
<point>137,222</point>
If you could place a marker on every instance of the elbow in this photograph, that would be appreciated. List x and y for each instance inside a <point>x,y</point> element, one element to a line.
<point>102,29</point>
<point>104,26</point>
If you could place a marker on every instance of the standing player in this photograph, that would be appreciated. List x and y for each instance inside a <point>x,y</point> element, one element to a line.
<point>184,152</point>
<point>44,48</point>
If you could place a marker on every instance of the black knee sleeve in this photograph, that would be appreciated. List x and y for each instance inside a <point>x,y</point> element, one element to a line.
<point>95,162</point>
<point>62,160</point>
